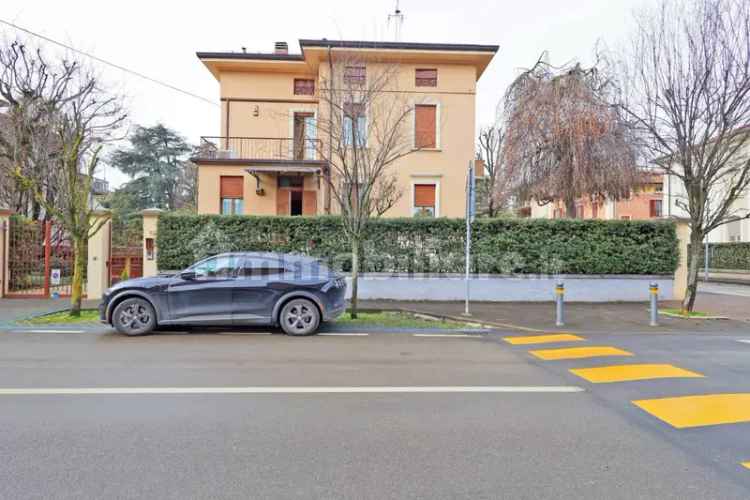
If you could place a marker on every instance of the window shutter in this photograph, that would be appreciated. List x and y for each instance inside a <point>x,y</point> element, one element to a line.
<point>426,77</point>
<point>309,202</point>
<point>424,195</point>
<point>282,202</point>
<point>424,127</point>
<point>303,86</point>
<point>230,186</point>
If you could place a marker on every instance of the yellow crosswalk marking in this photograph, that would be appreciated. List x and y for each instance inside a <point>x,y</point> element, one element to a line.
<point>578,353</point>
<point>627,373</point>
<point>746,465</point>
<point>542,339</point>
<point>696,411</point>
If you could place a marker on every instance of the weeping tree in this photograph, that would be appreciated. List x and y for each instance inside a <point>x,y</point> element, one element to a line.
<point>364,126</point>
<point>564,136</point>
<point>65,117</point>
<point>687,94</point>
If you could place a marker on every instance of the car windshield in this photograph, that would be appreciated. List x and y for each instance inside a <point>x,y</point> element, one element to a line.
<point>222,266</point>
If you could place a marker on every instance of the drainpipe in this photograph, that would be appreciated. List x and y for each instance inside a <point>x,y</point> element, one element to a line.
<point>327,199</point>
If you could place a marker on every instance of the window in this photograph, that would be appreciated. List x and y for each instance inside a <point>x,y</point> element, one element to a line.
<point>260,268</point>
<point>425,77</point>
<point>355,75</point>
<point>624,217</point>
<point>424,200</point>
<point>303,86</point>
<point>231,194</point>
<point>594,210</point>
<point>654,208</point>
<point>424,126</point>
<point>223,266</point>
<point>579,211</point>
<point>355,124</point>
<point>289,181</point>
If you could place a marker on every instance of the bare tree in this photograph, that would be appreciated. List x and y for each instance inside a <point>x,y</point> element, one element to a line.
<point>687,93</point>
<point>565,138</point>
<point>495,187</point>
<point>365,129</point>
<point>62,123</point>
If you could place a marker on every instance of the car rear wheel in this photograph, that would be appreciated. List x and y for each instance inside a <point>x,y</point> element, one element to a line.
<point>134,317</point>
<point>299,317</point>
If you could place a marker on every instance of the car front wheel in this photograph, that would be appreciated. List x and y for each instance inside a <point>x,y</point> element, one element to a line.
<point>299,317</point>
<point>134,317</point>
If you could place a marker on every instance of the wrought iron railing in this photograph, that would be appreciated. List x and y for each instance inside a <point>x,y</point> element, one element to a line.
<point>257,148</point>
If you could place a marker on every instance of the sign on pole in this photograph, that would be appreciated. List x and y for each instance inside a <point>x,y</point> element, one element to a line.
<point>470,213</point>
<point>55,277</point>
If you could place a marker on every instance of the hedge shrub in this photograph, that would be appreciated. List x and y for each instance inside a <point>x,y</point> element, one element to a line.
<point>533,246</point>
<point>729,255</point>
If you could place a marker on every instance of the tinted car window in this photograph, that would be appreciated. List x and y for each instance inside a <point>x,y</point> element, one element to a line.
<point>223,266</point>
<point>260,268</point>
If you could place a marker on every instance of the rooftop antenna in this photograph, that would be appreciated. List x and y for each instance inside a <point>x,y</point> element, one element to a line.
<point>396,21</point>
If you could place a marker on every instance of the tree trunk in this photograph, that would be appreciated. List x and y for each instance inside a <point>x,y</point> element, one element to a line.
<point>570,208</point>
<point>355,278</point>
<point>79,264</point>
<point>694,258</point>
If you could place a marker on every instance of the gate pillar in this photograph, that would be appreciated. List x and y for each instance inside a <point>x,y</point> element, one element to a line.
<point>97,272</point>
<point>4,250</point>
<point>150,225</point>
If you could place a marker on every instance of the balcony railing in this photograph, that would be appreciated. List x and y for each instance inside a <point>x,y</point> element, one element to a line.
<point>257,148</point>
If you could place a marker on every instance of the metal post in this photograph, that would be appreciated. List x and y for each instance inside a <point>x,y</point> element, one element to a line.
<point>469,220</point>
<point>705,258</point>
<point>654,291</point>
<point>560,300</point>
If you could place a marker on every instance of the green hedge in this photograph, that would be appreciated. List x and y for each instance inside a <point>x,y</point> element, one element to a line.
<point>728,255</point>
<point>536,246</point>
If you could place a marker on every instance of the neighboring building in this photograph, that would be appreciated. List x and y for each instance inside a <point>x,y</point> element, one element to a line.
<point>738,230</point>
<point>261,164</point>
<point>646,202</point>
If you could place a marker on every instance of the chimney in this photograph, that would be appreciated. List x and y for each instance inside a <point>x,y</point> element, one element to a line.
<point>280,48</point>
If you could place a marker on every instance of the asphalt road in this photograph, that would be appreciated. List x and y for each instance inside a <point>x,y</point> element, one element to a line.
<point>594,443</point>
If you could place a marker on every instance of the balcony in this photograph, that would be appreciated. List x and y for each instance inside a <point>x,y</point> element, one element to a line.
<point>249,150</point>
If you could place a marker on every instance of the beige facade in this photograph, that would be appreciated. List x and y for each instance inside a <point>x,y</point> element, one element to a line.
<point>264,116</point>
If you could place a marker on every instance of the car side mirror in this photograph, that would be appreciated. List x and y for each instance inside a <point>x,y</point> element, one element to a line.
<point>187,275</point>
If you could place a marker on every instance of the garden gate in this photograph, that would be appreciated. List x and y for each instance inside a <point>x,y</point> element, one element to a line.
<point>40,259</point>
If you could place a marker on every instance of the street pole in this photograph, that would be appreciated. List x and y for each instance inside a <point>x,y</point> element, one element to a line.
<point>469,220</point>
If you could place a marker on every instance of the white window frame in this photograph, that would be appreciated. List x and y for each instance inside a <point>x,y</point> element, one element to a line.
<point>347,143</point>
<point>427,102</point>
<point>435,181</point>
<point>292,111</point>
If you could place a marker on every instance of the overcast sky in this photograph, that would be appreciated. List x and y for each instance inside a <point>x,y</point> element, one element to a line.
<point>160,39</point>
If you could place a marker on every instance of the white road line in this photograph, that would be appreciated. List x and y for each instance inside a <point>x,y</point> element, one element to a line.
<point>344,334</point>
<point>446,335</point>
<point>50,331</point>
<point>744,341</point>
<point>284,390</point>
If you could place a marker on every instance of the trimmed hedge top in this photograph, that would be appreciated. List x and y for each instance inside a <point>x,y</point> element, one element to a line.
<point>505,246</point>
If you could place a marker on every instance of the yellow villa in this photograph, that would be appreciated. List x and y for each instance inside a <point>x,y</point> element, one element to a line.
<point>266,160</point>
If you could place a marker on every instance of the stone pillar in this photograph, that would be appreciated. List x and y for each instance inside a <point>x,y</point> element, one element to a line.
<point>97,271</point>
<point>150,224</point>
<point>4,250</point>
<point>681,274</point>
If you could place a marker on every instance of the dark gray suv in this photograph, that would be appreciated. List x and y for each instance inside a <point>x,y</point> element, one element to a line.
<point>249,288</point>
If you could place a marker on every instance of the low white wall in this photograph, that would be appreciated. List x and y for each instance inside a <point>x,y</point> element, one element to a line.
<point>496,288</point>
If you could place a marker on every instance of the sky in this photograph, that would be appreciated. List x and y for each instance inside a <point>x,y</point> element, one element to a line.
<point>160,38</point>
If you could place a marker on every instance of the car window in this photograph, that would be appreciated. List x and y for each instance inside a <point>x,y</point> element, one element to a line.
<point>260,268</point>
<point>223,266</point>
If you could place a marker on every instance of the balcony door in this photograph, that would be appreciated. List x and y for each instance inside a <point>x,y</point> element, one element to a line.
<point>304,136</point>
<point>293,199</point>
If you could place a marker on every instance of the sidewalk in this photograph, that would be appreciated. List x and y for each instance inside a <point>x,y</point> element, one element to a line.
<point>580,317</point>
<point>12,310</point>
<point>734,278</point>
